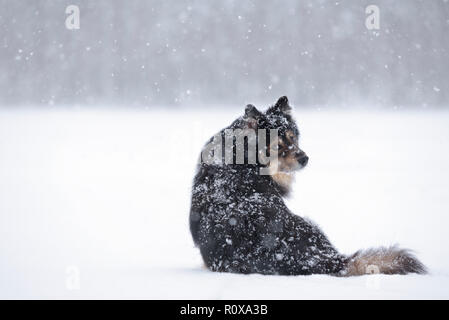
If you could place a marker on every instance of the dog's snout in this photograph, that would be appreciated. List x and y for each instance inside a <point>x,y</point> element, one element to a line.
<point>303,159</point>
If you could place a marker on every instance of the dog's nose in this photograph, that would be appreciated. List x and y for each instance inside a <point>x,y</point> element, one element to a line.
<point>303,159</point>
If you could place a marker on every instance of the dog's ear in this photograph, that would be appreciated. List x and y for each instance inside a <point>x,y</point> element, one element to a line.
<point>252,115</point>
<point>281,106</point>
<point>252,112</point>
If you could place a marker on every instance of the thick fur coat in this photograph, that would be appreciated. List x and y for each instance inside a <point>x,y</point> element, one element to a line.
<point>240,222</point>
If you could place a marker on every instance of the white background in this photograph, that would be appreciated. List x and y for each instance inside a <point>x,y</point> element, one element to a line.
<point>108,192</point>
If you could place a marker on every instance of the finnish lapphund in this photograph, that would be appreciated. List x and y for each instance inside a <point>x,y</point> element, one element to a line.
<point>240,222</point>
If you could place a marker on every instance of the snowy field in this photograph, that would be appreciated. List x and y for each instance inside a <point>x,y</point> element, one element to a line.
<point>94,204</point>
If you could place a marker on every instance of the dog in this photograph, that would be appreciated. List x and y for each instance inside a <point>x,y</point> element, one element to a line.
<point>240,223</point>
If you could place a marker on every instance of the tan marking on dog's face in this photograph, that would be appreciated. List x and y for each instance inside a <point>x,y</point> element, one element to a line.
<point>287,150</point>
<point>290,135</point>
<point>282,171</point>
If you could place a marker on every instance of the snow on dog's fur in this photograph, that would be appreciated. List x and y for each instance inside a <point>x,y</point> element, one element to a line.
<point>240,222</point>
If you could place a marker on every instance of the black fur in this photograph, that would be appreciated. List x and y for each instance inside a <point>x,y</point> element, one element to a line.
<point>240,222</point>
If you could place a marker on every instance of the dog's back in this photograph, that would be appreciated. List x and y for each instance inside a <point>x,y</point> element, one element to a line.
<point>240,222</point>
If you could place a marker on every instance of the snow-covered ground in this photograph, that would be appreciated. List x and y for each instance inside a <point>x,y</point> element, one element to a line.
<point>94,204</point>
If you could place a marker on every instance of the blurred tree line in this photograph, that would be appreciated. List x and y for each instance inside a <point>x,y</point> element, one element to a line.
<point>199,52</point>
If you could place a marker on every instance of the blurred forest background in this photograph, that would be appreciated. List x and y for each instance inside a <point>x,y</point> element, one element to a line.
<point>199,52</point>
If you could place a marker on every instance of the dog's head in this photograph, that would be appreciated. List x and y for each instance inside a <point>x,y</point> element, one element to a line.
<point>290,157</point>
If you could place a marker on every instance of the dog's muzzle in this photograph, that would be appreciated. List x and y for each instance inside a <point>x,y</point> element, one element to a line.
<point>302,158</point>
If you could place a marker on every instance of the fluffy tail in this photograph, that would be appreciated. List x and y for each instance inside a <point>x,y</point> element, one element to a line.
<point>392,260</point>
